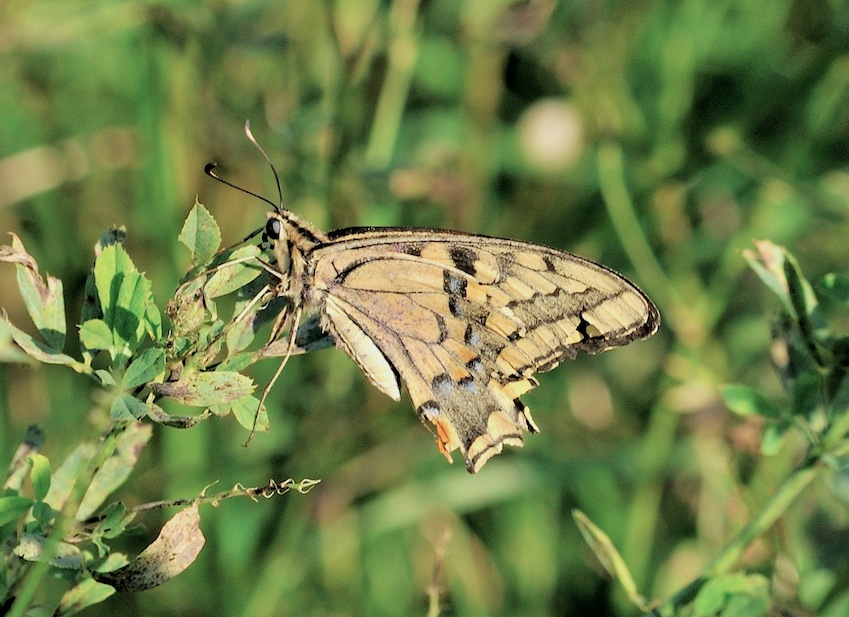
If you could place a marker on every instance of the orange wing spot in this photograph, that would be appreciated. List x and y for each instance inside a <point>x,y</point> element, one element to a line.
<point>444,434</point>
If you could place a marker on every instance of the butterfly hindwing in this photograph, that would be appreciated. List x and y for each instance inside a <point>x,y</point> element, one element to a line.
<point>464,321</point>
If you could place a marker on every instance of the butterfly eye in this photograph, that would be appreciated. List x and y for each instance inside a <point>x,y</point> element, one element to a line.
<point>273,228</point>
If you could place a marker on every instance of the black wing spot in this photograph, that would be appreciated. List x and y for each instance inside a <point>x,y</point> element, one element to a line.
<point>443,329</point>
<point>475,365</point>
<point>463,258</point>
<point>454,285</point>
<point>428,410</point>
<point>468,384</point>
<point>441,381</point>
<point>583,328</point>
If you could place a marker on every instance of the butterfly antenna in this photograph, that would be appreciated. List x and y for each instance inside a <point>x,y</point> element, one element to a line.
<point>208,169</point>
<point>253,140</point>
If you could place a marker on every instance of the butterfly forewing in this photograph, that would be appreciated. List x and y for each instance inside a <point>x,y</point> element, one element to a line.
<point>464,321</point>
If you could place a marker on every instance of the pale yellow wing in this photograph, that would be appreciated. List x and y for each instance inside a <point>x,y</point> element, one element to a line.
<point>464,321</point>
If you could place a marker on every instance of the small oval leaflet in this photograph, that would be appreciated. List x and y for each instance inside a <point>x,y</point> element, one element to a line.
<point>207,389</point>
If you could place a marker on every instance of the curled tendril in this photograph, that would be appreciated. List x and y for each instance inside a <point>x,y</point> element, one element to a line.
<point>275,488</point>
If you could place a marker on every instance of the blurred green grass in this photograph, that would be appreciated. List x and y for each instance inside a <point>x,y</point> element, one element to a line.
<point>707,123</point>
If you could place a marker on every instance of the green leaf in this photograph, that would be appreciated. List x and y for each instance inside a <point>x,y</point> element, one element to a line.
<point>43,353</point>
<point>609,557</point>
<point>175,549</point>
<point>157,414</point>
<point>774,437</point>
<point>745,401</point>
<point>87,592</point>
<point>34,547</point>
<point>812,324</point>
<point>733,595</point>
<point>112,562</point>
<point>127,407</point>
<point>65,476</point>
<point>91,308</point>
<point>44,301</point>
<point>125,296</point>
<point>131,309</point>
<point>207,389</point>
<point>200,234</point>
<point>242,333</point>
<point>19,469</point>
<point>779,270</point>
<point>768,264</point>
<point>244,410</point>
<point>110,268</point>
<point>43,513</point>
<point>239,270</point>
<point>114,471</point>
<point>95,334</point>
<point>807,389</point>
<point>836,287</point>
<point>256,305</point>
<point>9,352</point>
<point>39,475</point>
<point>801,293</point>
<point>149,364</point>
<point>153,321</point>
<point>106,378</point>
<point>114,521</point>
<point>236,362</point>
<point>12,507</point>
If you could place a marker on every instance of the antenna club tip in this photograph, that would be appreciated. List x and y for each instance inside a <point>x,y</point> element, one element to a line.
<point>209,167</point>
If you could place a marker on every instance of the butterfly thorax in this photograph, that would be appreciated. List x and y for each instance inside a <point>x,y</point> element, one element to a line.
<point>293,239</point>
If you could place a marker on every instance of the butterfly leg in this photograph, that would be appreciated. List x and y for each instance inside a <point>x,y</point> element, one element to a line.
<point>262,263</point>
<point>275,330</point>
<point>249,307</point>
<point>262,296</point>
<point>227,264</point>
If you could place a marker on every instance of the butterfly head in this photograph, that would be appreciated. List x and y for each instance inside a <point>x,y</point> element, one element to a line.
<point>290,239</point>
<point>284,227</point>
<point>273,229</point>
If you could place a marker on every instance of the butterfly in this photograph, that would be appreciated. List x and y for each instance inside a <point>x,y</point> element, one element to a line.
<point>463,321</point>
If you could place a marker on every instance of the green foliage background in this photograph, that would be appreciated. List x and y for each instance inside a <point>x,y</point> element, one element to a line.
<point>657,137</point>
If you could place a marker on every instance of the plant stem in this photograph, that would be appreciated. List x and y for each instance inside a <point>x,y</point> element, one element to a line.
<point>403,52</point>
<point>834,440</point>
<point>65,521</point>
<point>642,527</point>
<point>775,506</point>
<point>620,209</point>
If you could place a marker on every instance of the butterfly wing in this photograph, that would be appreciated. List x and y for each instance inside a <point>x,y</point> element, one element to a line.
<point>464,321</point>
